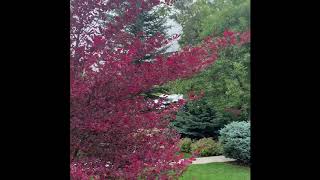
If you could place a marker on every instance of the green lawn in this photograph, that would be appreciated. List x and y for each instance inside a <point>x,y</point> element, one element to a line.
<point>216,171</point>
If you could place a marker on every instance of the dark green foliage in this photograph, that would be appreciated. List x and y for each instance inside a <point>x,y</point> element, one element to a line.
<point>151,23</point>
<point>196,120</point>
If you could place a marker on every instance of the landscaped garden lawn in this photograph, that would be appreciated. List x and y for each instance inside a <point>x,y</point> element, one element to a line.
<point>216,171</point>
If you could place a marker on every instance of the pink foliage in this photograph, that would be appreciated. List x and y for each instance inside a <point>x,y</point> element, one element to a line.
<point>116,132</point>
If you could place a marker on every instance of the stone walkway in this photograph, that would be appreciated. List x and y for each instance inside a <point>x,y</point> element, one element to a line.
<point>211,159</point>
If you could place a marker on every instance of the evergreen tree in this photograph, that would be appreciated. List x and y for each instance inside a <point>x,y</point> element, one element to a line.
<point>151,23</point>
<point>197,120</point>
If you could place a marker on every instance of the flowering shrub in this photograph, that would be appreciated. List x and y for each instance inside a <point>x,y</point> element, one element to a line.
<point>185,145</point>
<point>115,131</point>
<point>206,147</point>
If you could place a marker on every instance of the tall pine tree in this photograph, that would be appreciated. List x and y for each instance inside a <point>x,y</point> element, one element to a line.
<point>151,23</point>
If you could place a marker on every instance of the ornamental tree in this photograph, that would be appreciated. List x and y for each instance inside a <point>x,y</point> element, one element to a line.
<point>116,133</point>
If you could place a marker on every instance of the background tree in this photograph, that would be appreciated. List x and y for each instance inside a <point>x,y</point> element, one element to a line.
<point>197,120</point>
<point>151,23</point>
<point>190,17</point>
<point>227,83</point>
<point>205,17</point>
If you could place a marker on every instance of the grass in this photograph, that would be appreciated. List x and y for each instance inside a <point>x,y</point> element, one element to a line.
<point>216,171</point>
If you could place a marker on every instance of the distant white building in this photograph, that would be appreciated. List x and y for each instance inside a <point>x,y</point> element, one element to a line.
<point>172,97</point>
<point>169,99</point>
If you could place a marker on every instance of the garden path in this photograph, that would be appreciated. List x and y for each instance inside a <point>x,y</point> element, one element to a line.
<point>211,159</point>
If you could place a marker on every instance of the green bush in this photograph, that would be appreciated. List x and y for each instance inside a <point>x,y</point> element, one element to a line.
<point>185,144</point>
<point>197,119</point>
<point>206,147</point>
<point>235,139</point>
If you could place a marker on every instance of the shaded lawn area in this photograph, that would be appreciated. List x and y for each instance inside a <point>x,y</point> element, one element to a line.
<point>216,171</point>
